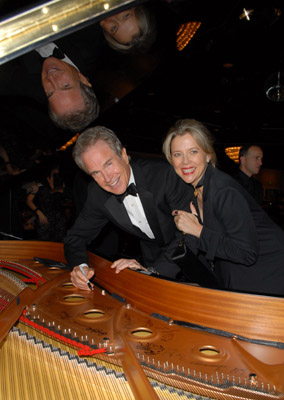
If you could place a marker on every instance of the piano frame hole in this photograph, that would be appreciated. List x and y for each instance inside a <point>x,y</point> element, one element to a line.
<point>141,333</point>
<point>73,298</point>
<point>209,351</point>
<point>94,314</point>
<point>68,285</point>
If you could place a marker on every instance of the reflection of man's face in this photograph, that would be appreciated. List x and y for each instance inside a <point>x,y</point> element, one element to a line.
<point>110,171</point>
<point>60,82</point>
<point>122,27</point>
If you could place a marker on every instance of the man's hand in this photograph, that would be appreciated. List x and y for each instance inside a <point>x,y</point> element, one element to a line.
<point>123,263</point>
<point>79,279</point>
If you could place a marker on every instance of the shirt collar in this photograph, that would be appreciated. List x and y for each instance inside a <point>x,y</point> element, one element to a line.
<point>131,178</point>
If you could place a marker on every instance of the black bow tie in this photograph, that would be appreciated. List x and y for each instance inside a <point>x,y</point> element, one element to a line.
<point>131,190</point>
<point>58,53</point>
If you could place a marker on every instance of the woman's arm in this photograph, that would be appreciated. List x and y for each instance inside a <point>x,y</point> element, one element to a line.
<point>30,202</point>
<point>230,231</point>
<point>9,167</point>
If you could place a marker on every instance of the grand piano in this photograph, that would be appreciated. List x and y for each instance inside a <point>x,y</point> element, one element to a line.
<point>135,336</point>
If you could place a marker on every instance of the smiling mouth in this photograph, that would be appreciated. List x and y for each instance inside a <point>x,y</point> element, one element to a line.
<point>187,171</point>
<point>51,65</point>
<point>114,183</point>
<point>53,69</point>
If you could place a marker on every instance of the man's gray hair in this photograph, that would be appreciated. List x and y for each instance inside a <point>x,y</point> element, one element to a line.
<point>79,119</point>
<point>90,137</point>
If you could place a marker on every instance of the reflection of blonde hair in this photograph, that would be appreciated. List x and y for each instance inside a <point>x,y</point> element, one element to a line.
<point>146,38</point>
<point>199,132</point>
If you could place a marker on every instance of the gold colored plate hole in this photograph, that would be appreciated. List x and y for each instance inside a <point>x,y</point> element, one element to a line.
<point>68,285</point>
<point>73,298</point>
<point>93,314</point>
<point>142,332</point>
<point>209,351</point>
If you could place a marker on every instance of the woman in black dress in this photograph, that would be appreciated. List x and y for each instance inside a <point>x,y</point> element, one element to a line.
<point>224,226</point>
<point>50,203</point>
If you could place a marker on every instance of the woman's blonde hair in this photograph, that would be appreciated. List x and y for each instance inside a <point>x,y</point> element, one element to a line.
<point>199,132</point>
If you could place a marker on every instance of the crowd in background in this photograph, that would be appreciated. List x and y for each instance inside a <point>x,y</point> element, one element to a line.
<point>43,191</point>
<point>41,199</point>
<point>31,194</point>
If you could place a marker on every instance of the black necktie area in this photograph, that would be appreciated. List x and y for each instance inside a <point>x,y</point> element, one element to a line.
<point>57,53</point>
<point>131,190</point>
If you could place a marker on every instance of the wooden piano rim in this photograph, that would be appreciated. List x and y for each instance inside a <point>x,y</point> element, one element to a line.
<point>251,316</point>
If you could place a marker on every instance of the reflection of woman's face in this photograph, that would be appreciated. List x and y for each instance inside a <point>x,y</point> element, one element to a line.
<point>188,159</point>
<point>122,27</point>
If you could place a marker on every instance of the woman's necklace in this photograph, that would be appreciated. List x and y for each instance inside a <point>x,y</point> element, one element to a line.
<point>199,184</point>
<point>198,193</point>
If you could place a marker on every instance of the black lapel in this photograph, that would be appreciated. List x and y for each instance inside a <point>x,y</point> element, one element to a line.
<point>33,63</point>
<point>119,214</point>
<point>206,199</point>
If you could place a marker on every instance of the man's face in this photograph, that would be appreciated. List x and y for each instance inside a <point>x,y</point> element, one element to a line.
<point>252,161</point>
<point>60,82</point>
<point>110,171</point>
<point>123,27</point>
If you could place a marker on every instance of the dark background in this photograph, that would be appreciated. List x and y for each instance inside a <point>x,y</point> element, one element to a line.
<point>155,89</point>
<point>142,95</point>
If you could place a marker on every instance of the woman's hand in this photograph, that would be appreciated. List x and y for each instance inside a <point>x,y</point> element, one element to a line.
<point>188,222</point>
<point>123,263</point>
<point>13,171</point>
<point>41,217</point>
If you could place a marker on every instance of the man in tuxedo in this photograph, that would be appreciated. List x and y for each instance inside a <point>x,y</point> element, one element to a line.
<point>72,102</point>
<point>144,213</point>
<point>62,67</point>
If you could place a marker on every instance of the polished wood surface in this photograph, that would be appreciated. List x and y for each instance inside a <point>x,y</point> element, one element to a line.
<point>27,249</point>
<point>253,316</point>
<point>232,346</point>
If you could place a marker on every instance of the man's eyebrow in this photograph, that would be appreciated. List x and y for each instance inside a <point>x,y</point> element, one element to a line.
<point>105,163</point>
<point>64,88</point>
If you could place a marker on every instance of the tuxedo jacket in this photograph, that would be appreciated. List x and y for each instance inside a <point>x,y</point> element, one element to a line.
<point>244,244</point>
<point>21,91</point>
<point>22,76</point>
<point>160,191</point>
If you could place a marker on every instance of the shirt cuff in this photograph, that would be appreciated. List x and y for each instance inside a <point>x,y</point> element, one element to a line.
<point>83,265</point>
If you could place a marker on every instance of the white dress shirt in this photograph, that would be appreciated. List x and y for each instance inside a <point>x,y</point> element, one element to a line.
<point>136,212</point>
<point>47,51</point>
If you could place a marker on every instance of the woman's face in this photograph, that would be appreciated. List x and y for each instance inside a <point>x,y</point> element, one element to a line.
<point>188,159</point>
<point>122,27</point>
